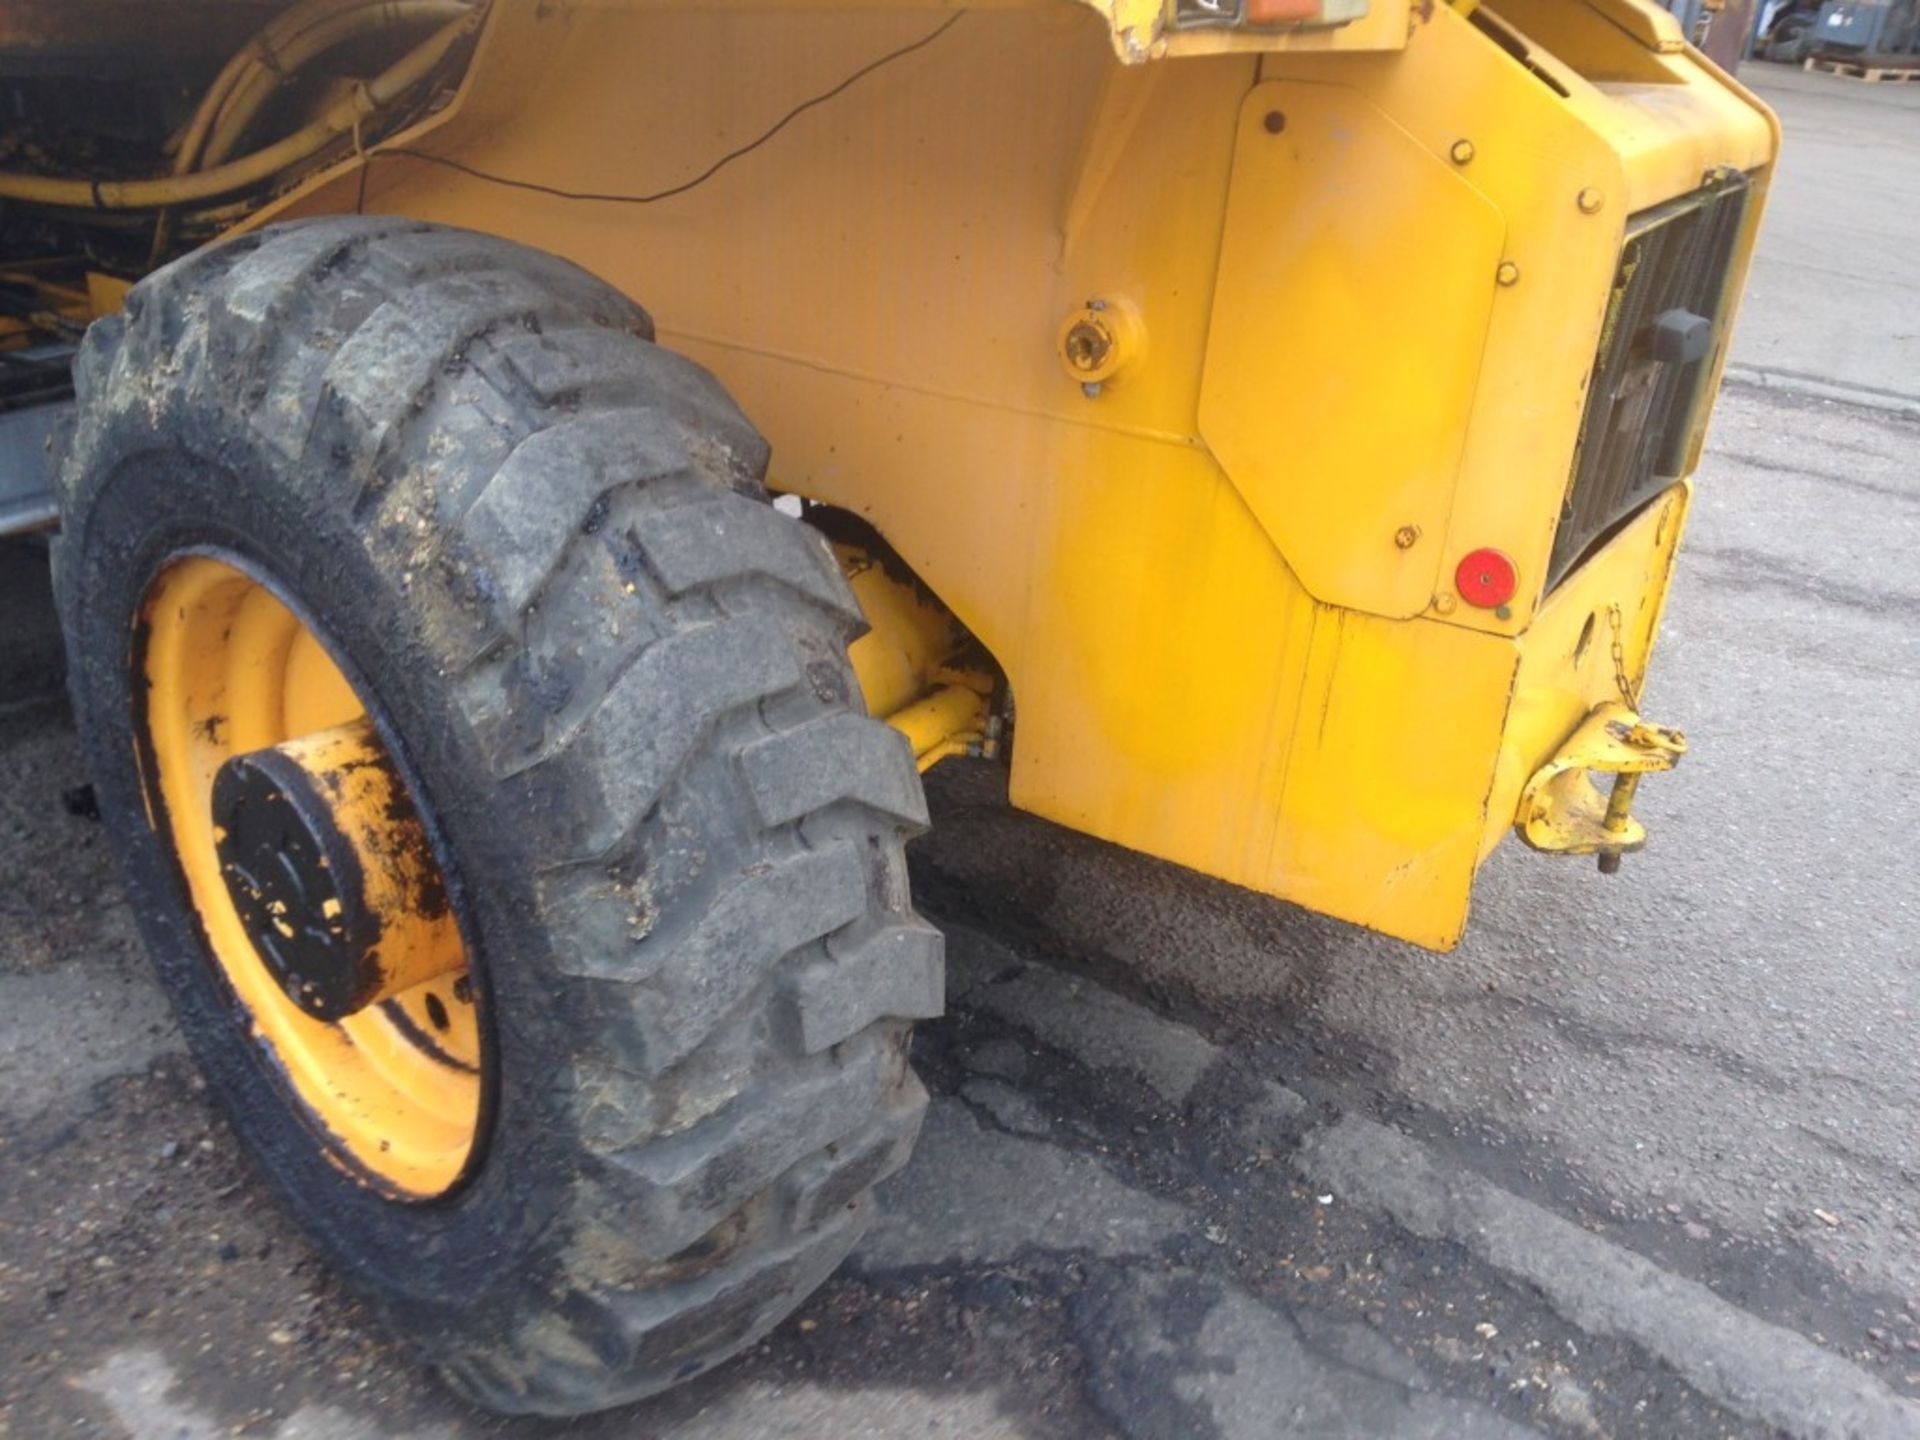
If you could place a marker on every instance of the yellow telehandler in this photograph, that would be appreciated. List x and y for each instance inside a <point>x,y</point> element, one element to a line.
<point>566,466</point>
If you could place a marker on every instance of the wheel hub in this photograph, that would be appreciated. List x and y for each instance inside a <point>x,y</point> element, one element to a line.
<point>330,872</point>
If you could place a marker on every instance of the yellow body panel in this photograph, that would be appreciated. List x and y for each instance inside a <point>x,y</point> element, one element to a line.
<point>1319,288</point>
<point>1218,581</point>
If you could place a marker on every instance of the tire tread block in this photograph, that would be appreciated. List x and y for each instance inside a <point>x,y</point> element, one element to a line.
<point>682,1187</point>
<point>658,711</point>
<point>894,973</point>
<point>740,941</point>
<point>836,1177</point>
<point>544,495</point>
<point>563,1361</point>
<point>732,537</point>
<point>836,757</point>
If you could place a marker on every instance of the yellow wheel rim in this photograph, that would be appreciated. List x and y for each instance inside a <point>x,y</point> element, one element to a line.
<point>394,1090</point>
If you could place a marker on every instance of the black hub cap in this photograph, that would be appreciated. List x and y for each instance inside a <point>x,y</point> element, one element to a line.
<point>296,884</point>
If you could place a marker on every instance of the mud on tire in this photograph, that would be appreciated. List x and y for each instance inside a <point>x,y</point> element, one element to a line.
<point>541,545</point>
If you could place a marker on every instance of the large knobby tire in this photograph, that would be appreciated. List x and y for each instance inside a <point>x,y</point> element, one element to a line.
<point>616,679</point>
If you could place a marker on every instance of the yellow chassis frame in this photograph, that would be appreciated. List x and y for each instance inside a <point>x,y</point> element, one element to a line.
<point>1183,384</point>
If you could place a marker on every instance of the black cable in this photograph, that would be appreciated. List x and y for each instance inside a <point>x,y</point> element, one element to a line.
<point>705,175</point>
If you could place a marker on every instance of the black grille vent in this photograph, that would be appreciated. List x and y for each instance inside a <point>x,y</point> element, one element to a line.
<point>1664,323</point>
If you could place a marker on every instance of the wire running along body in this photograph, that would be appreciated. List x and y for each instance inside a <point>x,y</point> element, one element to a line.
<point>693,182</point>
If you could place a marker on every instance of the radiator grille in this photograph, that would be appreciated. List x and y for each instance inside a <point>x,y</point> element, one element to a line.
<point>1665,322</point>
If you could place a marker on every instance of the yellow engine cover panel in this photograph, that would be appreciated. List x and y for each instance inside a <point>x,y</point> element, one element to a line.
<point>1357,275</point>
<point>1219,582</point>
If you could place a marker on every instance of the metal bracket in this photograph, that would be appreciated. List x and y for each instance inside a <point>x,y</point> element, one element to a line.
<point>1561,809</point>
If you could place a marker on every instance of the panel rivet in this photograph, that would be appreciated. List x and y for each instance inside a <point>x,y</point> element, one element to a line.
<point>1461,152</point>
<point>1443,604</point>
<point>1407,536</point>
<point>1274,121</point>
<point>1590,200</point>
<point>1508,273</point>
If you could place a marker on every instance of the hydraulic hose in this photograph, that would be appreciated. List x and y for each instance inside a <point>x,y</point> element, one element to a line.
<point>258,81</point>
<point>262,51</point>
<point>341,118</point>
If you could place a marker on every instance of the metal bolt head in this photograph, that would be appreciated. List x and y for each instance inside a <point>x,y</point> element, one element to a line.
<point>1274,121</point>
<point>1091,389</point>
<point>1590,200</point>
<point>1407,536</point>
<point>1099,340</point>
<point>1462,151</point>
<point>1443,604</point>
<point>1086,345</point>
<point>1508,273</point>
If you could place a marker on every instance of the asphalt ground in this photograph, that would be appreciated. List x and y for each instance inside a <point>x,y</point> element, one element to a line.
<point>1638,1159</point>
<point>1833,301</point>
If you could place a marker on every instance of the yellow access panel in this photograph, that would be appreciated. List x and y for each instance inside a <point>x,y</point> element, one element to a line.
<point>1350,317</point>
<point>1274,402</point>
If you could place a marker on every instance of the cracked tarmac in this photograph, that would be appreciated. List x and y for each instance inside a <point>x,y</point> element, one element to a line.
<point>1637,1160</point>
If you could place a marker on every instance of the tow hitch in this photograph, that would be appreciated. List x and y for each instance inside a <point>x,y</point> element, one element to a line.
<point>1562,809</point>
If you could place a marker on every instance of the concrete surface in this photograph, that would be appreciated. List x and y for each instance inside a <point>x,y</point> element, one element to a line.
<point>1833,302</point>
<point>1638,1160</point>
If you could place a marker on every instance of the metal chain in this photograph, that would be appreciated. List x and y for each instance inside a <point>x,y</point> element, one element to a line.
<point>1627,690</point>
